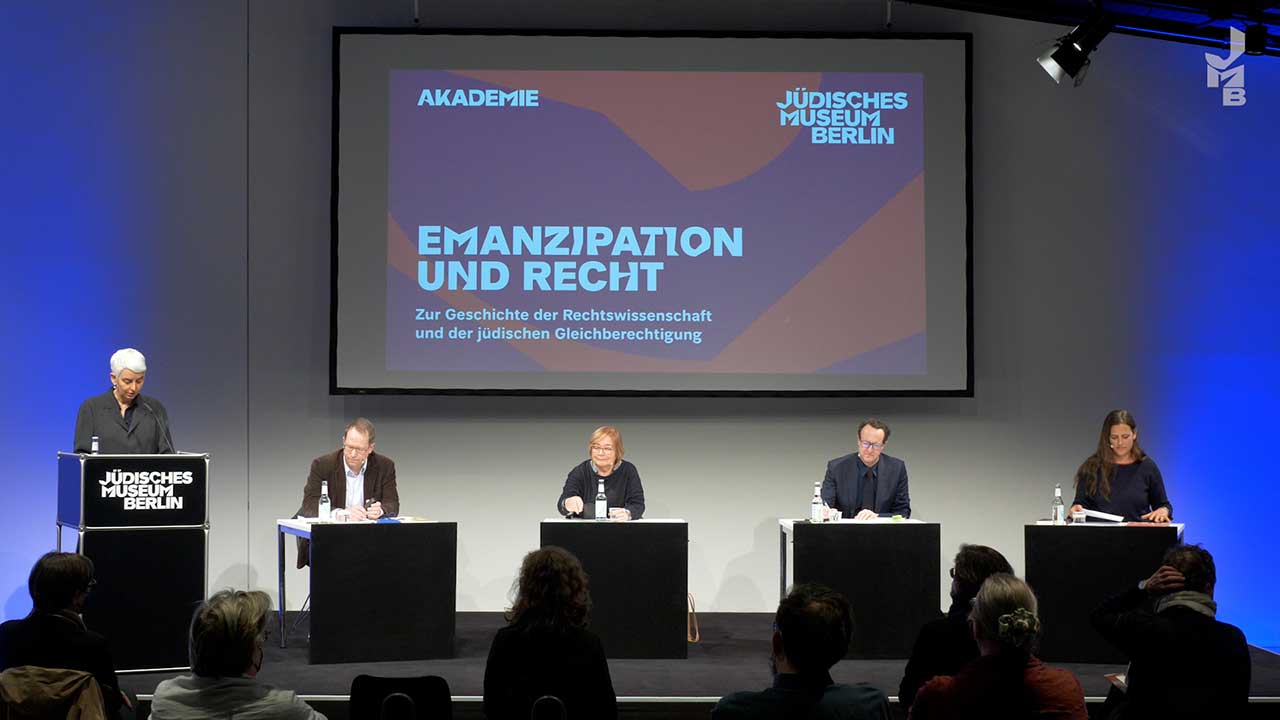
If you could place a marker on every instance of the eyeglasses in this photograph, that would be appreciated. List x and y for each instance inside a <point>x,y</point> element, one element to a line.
<point>871,445</point>
<point>601,448</point>
<point>356,450</point>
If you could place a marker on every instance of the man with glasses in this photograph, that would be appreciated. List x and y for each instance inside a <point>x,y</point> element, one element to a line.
<point>54,635</point>
<point>360,480</point>
<point>867,483</point>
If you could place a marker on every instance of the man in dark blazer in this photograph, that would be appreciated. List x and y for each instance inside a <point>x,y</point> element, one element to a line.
<point>54,635</point>
<point>356,476</point>
<point>868,483</point>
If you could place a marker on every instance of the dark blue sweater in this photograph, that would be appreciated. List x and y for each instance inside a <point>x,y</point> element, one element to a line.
<point>1136,489</point>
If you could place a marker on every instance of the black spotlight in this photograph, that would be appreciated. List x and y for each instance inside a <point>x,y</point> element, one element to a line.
<point>1070,55</point>
<point>1255,39</point>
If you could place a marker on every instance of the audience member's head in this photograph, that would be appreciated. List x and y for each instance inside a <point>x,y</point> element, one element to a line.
<point>1196,565</point>
<point>551,591</point>
<point>1004,616</point>
<point>60,581</point>
<point>812,630</point>
<point>228,632</point>
<point>973,565</point>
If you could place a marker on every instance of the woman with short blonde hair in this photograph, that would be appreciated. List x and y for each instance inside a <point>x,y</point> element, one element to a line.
<point>603,468</point>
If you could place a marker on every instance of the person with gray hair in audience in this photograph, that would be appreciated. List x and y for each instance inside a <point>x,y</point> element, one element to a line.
<point>1183,661</point>
<point>123,419</point>
<point>946,644</point>
<point>228,634</point>
<point>1007,680</point>
<point>811,633</point>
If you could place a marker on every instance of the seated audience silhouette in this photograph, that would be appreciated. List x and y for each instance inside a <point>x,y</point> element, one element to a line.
<point>546,648</point>
<point>1006,680</point>
<point>944,645</point>
<point>228,634</point>
<point>1183,662</point>
<point>54,635</point>
<point>811,632</point>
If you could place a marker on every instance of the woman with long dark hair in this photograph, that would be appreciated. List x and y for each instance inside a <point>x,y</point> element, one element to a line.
<point>1119,478</point>
<point>1007,680</point>
<point>546,648</point>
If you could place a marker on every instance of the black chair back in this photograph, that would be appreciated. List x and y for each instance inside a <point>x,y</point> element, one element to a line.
<point>428,696</point>
<point>548,707</point>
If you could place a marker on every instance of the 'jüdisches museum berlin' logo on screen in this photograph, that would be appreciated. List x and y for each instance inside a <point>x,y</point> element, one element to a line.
<point>1221,74</point>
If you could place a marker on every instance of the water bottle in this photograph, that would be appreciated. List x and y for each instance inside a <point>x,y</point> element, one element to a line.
<point>93,445</point>
<point>1058,511</point>
<point>602,503</point>
<point>815,506</point>
<point>324,501</point>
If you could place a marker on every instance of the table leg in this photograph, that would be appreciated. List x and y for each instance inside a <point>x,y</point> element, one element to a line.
<point>782,563</point>
<point>280,570</point>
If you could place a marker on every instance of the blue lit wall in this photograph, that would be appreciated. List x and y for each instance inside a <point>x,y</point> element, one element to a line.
<point>63,182</point>
<point>122,218</point>
<point>1206,307</point>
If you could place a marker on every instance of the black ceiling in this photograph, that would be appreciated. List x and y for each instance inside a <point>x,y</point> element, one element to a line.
<point>1201,23</point>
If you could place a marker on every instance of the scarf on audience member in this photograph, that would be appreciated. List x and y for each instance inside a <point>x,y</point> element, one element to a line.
<point>1197,601</point>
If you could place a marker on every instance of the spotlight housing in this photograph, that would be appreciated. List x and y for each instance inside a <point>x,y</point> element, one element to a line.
<point>1255,39</point>
<point>1069,57</point>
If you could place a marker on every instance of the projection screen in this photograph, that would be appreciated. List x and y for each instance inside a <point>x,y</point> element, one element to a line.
<point>577,214</point>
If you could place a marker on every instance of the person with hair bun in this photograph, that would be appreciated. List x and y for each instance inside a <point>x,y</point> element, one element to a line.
<point>225,645</point>
<point>945,644</point>
<point>1007,680</point>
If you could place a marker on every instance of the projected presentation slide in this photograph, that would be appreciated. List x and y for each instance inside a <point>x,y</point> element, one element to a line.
<point>642,214</point>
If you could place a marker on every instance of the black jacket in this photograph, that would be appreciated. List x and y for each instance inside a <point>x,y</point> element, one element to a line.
<point>622,487</point>
<point>525,664</point>
<point>1182,663</point>
<point>60,640</point>
<point>943,647</point>
<point>149,432</point>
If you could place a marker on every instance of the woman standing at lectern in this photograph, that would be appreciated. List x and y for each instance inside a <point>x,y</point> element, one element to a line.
<point>124,420</point>
<point>604,463</point>
<point>1119,478</point>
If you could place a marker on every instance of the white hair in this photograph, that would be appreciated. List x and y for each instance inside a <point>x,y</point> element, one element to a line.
<point>128,359</point>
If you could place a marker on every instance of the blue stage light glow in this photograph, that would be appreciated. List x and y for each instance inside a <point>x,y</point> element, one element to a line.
<point>62,185</point>
<point>1208,318</point>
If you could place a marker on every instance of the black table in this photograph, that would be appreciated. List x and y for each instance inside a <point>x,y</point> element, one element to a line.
<point>379,591</point>
<point>1073,568</point>
<point>890,571</point>
<point>639,578</point>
